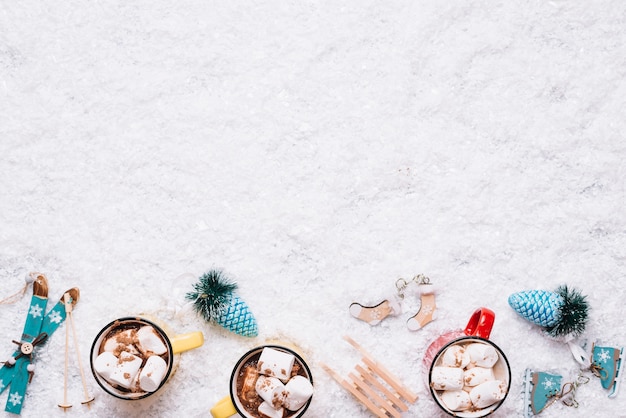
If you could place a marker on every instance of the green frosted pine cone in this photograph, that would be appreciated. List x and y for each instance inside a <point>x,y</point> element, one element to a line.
<point>214,298</point>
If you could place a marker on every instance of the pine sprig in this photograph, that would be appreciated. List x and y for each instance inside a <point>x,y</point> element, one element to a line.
<point>212,295</point>
<point>574,313</point>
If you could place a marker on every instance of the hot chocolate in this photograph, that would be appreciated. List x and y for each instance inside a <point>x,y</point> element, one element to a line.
<point>273,384</point>
<point>133,357</point>
<point>464,378</point>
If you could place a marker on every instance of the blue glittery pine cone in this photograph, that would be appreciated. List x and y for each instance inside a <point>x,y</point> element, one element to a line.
<point>540,307</point>
<point>214,298</point>
<point>238,318</point>
<point>561,313</point>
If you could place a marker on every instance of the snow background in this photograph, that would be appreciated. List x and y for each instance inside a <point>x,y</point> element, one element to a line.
<point>315,151</point>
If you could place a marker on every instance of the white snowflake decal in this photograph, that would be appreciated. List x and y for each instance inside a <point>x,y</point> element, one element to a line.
<point>376,314</point>
<point>55,317</point>
<point>427,309</point>
<point>2,385</point>
<point>604,356</point>
<point>15,398</point>
<point>35,311</point>
<point>548,383</point>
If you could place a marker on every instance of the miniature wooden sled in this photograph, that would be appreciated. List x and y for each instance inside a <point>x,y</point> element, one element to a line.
<point>375,387</point>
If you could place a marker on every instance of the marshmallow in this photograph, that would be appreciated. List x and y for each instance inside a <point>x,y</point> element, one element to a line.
<point>271,390</point>
<point>455,356</point>
<point>126,369</point>
<point>276,363</point>
<point>150,341</point>
<point>298,391</point>
<point>483,355</point>
<point>152,373</point>
<point>488,393</point>
<point>104,364</point>
<point>110,345</point>
<point>456,400</point>
<point>267,410</point>
<point>477,375</point>
<point>447,378</point>
<point>121,341</point>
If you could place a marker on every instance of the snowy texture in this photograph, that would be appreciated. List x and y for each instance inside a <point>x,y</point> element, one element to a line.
<point>316,152</point>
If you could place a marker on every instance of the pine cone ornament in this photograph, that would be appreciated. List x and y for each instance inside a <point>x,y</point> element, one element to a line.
<point>561,313</point>
<point>214,299</point>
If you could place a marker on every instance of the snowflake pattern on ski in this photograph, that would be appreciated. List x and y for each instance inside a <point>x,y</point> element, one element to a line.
<point>55,317</point>
<point>15,398</point>
<point>35,311</point>
<point>2,385</point>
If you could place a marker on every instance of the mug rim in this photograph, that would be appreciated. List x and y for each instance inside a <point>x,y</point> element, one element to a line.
<point>107,387</point>
<point>456,341</point>
<point>248,354</point>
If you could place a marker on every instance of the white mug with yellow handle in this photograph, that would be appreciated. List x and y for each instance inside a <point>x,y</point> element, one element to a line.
<point>133,357</point>
<point>246,402</point>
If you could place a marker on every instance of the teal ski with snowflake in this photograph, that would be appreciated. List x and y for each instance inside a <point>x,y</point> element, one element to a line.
<point>18,371</point>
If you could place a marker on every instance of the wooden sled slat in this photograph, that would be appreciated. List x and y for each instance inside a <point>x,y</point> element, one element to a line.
<point>383,372</point>
<point>379,412</point>
<point>394,398</point>
<point>378,400</point>
<point>366,386</point>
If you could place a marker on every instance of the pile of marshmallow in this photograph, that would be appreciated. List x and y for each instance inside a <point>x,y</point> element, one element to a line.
<point>465,377</point>
<point>131,359</point>
<point>276,385</point>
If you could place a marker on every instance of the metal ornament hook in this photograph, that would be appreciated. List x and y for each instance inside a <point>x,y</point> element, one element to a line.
<point>402,284</point>
<point>572,387</point>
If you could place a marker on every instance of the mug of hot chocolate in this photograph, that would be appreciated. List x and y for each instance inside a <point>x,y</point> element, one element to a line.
<point>468,375</point>
<point>270,381</point>
<point>132,357</point>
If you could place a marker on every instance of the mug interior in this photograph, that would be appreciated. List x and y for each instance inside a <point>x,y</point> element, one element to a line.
<point>501,371</point>
<point>250,358</point>
<point>96,349</point>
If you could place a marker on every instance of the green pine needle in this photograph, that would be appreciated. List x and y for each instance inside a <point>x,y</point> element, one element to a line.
<point>212,294</point>
<point>574,313</point>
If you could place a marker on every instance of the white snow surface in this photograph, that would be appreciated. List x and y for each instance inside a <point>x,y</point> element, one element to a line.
<point>316,152</point>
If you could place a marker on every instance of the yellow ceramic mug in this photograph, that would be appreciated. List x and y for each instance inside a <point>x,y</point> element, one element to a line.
<point>232,404</point>
<point>122,335</point>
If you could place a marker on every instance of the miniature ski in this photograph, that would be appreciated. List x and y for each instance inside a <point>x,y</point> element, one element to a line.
<point>18,371</point>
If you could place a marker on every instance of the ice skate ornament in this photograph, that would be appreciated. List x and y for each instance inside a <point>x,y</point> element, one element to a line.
<point>603,362</point>
<point>541,389</point>
<point>214,299</point>
<point>392,306</point>
<point>18,370</point>
<point>562,314</point>
<point>606,363</point>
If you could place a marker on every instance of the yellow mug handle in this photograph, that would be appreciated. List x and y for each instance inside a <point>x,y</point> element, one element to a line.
<point>224,408</point>
<point>184,342</point>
